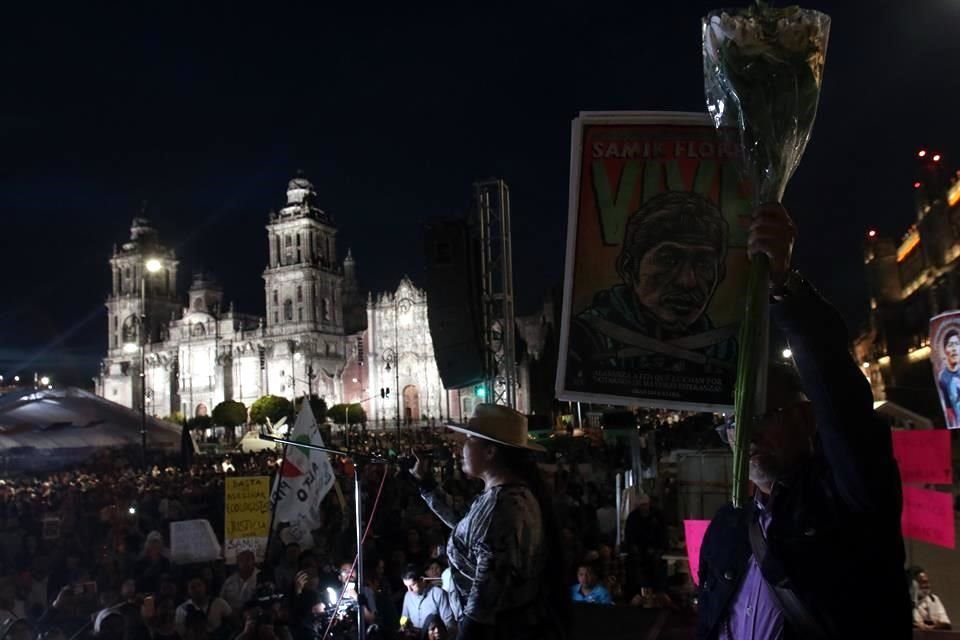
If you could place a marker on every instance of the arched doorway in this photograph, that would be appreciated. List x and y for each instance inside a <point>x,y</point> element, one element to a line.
<point>411,404</point>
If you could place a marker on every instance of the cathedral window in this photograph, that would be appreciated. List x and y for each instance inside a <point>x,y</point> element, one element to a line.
<point>288,309</point>
<point>288,241</point>
<point>298,239</point>
<point>276,297</point>
<point>325,309</point>
<point>299,256</point>
<point>130,333</point>
<point>299,314</point>
<point>327,350</point>
<point>276,317</point>
<point>299,293</point>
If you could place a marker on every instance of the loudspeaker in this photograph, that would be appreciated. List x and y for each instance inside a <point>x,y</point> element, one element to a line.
<point>454,306</point>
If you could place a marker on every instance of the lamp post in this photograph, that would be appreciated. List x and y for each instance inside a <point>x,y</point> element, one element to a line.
<point>392,358</point>
<point>150,265</point>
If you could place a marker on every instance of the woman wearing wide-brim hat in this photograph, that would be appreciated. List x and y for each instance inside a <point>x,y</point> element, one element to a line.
<point>504,580</point>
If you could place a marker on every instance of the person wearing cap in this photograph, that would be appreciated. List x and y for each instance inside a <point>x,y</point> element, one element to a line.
<point>499,552</point>
<point>828,492</point>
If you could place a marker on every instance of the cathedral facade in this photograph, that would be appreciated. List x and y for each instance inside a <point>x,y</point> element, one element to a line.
<point>320,333</point>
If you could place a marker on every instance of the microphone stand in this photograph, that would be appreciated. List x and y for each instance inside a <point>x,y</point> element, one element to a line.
<point>356,458</point>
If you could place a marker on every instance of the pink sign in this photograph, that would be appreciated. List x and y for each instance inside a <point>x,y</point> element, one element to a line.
<point>694,531</point>
<point>928,516</point>
<point>923,456</point>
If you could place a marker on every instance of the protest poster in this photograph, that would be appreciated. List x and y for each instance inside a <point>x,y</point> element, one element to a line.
<point>246,522</point>
<point>656,264</point>
<point>945,358</point>
<point>923,456</point>
<point>928,516</point>
<point>693,532</point>
<point>193,541</point>
<point>51,528</point>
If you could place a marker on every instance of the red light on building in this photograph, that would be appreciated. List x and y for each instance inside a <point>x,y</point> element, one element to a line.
<point>922,153</point>
<point>936,158</point>
<point>872,233</point>
<point>916,185</point>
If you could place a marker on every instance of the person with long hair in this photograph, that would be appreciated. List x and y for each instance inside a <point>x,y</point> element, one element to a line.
<point>504,583</point>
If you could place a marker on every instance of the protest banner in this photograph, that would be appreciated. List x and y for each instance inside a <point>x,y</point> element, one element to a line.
<point>246,522</point>
<point>928,516</point>
<point>656,263</point>
<point>945,358</point>
<point>193,541</point>
<point>304,478</point>
<point>693,531</point>
<point>923,456</point>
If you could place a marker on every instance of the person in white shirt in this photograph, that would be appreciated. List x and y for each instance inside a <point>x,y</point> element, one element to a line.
<point>422,601</point>
<point>241,587</point>
<point>928,610</point>
<point>216,610</point>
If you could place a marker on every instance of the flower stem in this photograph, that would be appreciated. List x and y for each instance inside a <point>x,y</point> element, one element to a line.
<point>751,388</point>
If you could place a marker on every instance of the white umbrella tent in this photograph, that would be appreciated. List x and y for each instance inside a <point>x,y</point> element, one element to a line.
<point>47,429</point>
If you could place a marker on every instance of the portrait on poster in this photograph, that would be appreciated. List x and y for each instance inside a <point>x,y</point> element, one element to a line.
<point>945,358</point>
<point>656,263</point>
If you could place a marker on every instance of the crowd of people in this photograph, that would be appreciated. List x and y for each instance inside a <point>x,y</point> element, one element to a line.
<point>86,552</point>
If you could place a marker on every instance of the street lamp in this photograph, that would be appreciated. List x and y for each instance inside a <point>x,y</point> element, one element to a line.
<point>392,358</point>
<point>45,381</point>
<point>150,265</point>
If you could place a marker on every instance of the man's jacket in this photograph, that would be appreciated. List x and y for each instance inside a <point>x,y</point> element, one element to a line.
<point>835,526</point>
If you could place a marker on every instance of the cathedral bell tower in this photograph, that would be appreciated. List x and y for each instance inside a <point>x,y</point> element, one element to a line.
<point>304,287</point>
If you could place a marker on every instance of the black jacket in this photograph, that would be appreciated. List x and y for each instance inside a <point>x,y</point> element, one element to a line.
<point>836,524</point>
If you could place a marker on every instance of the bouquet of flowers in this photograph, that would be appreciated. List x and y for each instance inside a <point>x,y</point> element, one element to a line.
<point>763,68</point>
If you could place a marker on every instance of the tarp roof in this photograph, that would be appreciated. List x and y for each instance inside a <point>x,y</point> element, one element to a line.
<point>71,422</point>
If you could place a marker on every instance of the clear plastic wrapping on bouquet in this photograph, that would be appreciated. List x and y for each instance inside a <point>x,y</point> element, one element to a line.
<point>763,69</point>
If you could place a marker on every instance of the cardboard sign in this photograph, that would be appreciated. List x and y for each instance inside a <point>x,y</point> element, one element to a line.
<point>193,541</point>
<point>945,358</point>
<point>656,263</point>
<point>923,456</point>
<point>246,516</point>
<point>928,517</point>
<point>693,531</point>
<point>51,528</point>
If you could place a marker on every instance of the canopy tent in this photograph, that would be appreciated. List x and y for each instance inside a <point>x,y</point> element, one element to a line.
<point>54,428</point>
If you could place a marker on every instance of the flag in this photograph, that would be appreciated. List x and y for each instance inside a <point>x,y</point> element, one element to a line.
<point>303,480</point>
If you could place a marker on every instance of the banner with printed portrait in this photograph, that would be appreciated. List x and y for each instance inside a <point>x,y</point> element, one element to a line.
<point>945,358</point>
<point>656,263</point>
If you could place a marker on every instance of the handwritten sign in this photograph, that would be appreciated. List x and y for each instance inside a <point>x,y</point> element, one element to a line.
<point>694,530</point>
<point>247,516</point>
<point>928,516</point>
<point>193,541</point>
<point>923,456</point>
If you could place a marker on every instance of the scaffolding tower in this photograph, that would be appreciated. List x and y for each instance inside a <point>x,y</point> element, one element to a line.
<point>496,273</point>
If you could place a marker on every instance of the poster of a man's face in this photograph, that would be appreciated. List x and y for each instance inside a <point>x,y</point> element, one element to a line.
<point>673,257</point>
<point>656,263</point>
<point>945,358</point>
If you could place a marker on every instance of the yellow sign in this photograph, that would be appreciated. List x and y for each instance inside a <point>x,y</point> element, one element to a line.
<point>247,516</point>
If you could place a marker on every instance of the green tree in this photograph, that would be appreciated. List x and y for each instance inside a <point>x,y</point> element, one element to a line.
<point>230,413</point>
<point>272,407</point>
<point>338,413</point>
<point>317,404</point>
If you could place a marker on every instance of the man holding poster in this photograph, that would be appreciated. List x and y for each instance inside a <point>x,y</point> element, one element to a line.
<point>825,519</point>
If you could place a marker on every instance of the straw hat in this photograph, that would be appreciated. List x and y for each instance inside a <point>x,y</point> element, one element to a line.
<point>498,424</point>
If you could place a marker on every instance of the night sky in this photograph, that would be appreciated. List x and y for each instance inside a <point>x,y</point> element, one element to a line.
<point>207,112</point>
